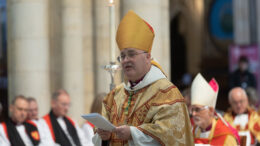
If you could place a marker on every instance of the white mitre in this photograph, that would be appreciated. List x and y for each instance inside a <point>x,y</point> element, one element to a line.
<point>204,93</point>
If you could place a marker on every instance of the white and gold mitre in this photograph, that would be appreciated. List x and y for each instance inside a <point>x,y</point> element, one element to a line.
<point>204,93</point>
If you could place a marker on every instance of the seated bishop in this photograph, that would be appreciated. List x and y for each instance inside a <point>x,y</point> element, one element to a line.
<point>243,117</point>
<point>209,127</point>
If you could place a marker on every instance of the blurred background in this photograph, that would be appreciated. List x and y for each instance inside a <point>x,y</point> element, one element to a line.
<point>50,44</point>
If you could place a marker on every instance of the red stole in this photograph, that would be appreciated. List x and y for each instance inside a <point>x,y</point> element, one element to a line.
<point>15,138</point>
<point>92,125</point>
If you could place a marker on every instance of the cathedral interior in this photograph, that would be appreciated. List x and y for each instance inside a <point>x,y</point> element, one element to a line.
<point>50,44</point>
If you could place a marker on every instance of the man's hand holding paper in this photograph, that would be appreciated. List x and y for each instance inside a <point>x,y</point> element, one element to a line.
<point>105,128</point>
<point>105,135</point>
<point>99,121</point>
<point>123,132</point>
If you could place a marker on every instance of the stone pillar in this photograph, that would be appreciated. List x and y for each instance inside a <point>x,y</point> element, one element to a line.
<point>258,21</point>
<point>28,51</point>
<point>55,44</point>
<point>241,22</point>
<point>72,55</point>
<point>101,44</point>
<point>88,54</point>
<point>194,37</point>
<point>156,13</point>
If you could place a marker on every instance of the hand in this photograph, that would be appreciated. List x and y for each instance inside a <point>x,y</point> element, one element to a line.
<point>123,132</point>
<point>105,135</point>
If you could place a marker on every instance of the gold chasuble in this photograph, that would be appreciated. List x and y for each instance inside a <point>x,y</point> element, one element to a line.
<point>158,110</point>
<point>253,124</point>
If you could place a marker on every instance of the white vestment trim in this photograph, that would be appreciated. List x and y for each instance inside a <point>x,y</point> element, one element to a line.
<point>97,141</point>
<point>138,139</point>
<point>204,134</point>
<point>153,75</point>
<point>3,139</point>
<point>23,135</point>
<point>64,128</point>
<point>88,133</point>
<point>241,119</point>
<point>141,139</point>
<point>45,135</point>
<point>80,133</point>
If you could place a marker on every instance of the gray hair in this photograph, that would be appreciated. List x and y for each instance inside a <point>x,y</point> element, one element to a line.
<point>57,93</point>
<point>18,97</point>
<point>236,89</point>
<point>30,99</point>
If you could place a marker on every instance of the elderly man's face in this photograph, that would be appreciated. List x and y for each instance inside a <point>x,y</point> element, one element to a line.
<point>19,111</point>
<point>33,110</point>
<point>135,63</point>
<point>202,115</point>
<point>61,105</point>
<point>238,101</point>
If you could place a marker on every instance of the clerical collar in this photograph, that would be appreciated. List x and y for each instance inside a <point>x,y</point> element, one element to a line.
<point>15,123</point>
<point>207,129</point>
<point>56,117</point>
<point>234,114</point>
<point>136,82</point>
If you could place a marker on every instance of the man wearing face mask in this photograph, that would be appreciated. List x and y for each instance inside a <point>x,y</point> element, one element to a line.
<point>210,128</point>
<point>147,109</point>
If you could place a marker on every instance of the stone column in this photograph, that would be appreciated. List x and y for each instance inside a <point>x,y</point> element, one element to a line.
<point>258,21</point>
<point>28,51</point>
<point>194,31</point>
<point>88,54</point>
<point>101,44</point>
<point>72,55</point>
<point>156,13</point>
<point>241,22</point>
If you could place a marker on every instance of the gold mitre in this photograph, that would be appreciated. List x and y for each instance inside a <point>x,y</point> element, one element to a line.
<point>134,32</point>
<point>204,93</point>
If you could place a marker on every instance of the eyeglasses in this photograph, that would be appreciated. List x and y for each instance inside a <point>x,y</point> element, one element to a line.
<point>238,102</point>
<point>198,109</point>
<point>65,104</point>
<point>129,55</point>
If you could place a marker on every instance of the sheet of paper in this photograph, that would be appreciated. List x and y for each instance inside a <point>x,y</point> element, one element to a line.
<point>99,121</point>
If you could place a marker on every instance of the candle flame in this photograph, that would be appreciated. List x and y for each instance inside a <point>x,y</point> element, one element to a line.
<point>111,2</point>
